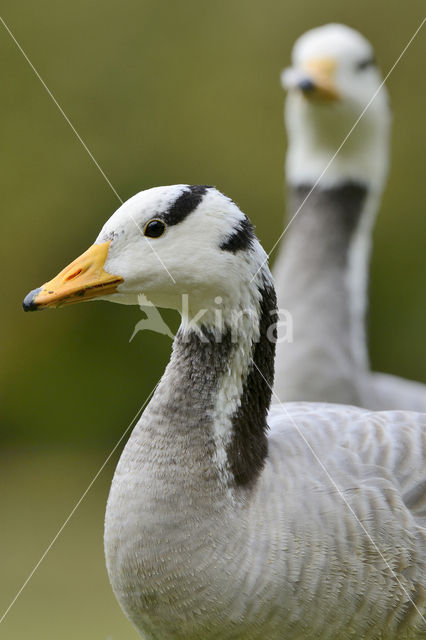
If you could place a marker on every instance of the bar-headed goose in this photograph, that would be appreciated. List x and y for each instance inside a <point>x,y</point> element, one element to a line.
<point>321,272</point>
<point>226,521</point>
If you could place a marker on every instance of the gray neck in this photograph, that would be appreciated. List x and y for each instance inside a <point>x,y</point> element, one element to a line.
<point>209,411</point>
<point>321,278</point>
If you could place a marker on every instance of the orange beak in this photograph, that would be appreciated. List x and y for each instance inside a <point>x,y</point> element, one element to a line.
<point>315,80</point>
<point>83,279</point>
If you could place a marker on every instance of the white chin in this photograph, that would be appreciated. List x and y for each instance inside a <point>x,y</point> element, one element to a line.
<point>164,300</point>
<point>121,298</point>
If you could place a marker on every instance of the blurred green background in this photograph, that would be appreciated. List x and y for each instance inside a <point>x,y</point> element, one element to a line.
<point>161,92</point>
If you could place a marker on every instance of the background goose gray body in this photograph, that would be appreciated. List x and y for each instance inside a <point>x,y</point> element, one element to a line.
<point>385,390</point>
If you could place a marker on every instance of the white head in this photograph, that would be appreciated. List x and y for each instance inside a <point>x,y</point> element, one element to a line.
<point>332,80</point>
<point>164,242</point>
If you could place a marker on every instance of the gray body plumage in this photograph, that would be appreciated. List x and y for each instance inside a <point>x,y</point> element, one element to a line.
<point>327,542</point>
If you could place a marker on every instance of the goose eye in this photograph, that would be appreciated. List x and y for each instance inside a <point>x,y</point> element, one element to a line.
<point>154,229</point>
<point>364,64</point>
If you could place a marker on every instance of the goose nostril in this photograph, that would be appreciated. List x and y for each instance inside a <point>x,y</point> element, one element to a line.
<point>73,275</point>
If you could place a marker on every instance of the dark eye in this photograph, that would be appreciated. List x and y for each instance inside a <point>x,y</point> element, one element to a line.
<point>154,229</point>
<point>364,64</point>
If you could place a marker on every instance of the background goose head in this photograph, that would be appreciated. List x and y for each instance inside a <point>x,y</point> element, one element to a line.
<point>163,242</point>
<point>332,79</point>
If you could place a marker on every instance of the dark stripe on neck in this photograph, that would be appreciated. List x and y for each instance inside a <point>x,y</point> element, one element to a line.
<point>335,210</point>
<point>241,238</point>
<point>249,445</point>
<point>187,202</point>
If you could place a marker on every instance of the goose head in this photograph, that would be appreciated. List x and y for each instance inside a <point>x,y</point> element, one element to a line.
<point>163,242</point>
<point>332,81</point>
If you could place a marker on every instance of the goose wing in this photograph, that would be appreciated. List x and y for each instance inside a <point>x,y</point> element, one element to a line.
<point>355,446</point>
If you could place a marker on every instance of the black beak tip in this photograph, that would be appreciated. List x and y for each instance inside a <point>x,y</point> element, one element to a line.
<point>306,85</point>
<point>29,304</point>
